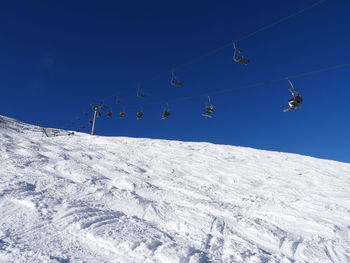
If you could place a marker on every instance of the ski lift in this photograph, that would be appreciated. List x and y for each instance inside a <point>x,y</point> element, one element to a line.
<point>122,114</point>
<point>174,80</point>
<point>140,93</point>
<point>166,112</point>
<point>296,99</point>
<point>99,114</point>
<point>118,101</point>
<point>109,113</point>
<point>139,115</point>
<point>90,121</point>
<point>238,57</point>
<point>209,109</point>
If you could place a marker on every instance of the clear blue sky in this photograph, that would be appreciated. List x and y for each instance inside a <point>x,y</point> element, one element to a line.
<point>58,56</point>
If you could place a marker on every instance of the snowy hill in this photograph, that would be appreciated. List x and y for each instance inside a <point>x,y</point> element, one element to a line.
<point>97,199</point>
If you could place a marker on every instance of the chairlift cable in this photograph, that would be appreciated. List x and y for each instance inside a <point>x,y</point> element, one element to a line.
<point>216,50</point>
<point>262,83</point>
<point>280,21</point>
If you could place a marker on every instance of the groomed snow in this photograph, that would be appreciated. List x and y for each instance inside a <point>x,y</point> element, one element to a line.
<point>115,199</point>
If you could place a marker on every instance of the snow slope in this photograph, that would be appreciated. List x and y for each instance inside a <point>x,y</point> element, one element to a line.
<point>97,199</point>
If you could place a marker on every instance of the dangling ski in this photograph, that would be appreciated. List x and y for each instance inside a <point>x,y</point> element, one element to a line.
<point>290,109</point>
<point>207,115</point>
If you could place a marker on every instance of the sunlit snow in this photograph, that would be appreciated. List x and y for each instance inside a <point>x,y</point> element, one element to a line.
<point>115,199</point>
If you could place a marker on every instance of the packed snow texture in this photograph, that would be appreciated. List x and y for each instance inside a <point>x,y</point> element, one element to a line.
<point>85,198</point>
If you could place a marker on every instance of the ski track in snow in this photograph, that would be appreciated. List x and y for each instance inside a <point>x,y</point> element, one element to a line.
<point>98,199</point>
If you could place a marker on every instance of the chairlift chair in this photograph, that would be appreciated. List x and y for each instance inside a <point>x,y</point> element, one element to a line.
<point>109,114</point>
<point>238,57</point>
<point>209,109</point>
<point>139,115</point>
<point>174,80</point>
<point>242,60</point>
<point>165,115</point>
<point>140,93</point>
<point>295,100</point>
<point>122,114</point>
<point>166,112</point>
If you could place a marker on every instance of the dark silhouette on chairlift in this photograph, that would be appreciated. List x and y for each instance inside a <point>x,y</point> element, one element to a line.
<point>295,100</point>
<point>109,114</point>
<point>166,112</point>
<point>122,114</point>
<point>209,109</point>
<point>165,115</point>
<point>139,115</point>
<point>238,57</point>
<point>140,93</point>
<point>174,80</point>
<point>99,114</point>
<point>90,121</point>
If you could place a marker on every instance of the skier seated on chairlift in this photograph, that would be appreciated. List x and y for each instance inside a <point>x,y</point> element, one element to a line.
<point>165,115</point>
<point>140,94</point>
<point>238,57</point>
<point>176,83</point>
<point>209,110</point>
<point>242,60</point>
<point>122,114</point>
<point>174,80</point>
<point>295,101</point>
<point>139,115</point>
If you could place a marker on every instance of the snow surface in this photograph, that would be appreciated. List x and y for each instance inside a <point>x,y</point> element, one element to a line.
<point>114,199</point>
